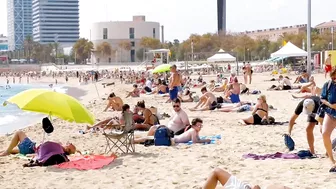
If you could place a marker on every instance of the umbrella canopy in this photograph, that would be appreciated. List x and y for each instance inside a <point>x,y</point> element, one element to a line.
<point>162,68</point>
<point>53,103</point>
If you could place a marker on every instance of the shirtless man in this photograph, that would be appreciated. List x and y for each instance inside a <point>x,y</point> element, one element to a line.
<point>249,72</point>
<point>232,94</point>
<point>114,102</point>
<point>327,66</point>
<point>310,89</point>
<point>208,101</point>
<point>174,83</point>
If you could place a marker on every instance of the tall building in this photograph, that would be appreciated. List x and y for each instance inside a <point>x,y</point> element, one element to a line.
<point>19,22</point>
<point>56,21</point>
<point>3,43</point>
<point>327,26</point>
<point>221,15</point>
<point>118,32</point>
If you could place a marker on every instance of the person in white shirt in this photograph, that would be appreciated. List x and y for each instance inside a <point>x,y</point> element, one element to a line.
<point>148,86</point>
<point>177,124</point>
<point>284,84</point>
<point>192,134</point>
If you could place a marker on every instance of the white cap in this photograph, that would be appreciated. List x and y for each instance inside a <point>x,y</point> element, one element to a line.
<point>308,106</point>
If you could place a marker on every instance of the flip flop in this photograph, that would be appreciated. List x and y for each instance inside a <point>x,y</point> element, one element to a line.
<point>332,170</point>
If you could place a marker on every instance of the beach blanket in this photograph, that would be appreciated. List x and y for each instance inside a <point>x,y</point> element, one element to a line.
<point>277,155</point>
<point>87,162</point>
<point>213,139</point>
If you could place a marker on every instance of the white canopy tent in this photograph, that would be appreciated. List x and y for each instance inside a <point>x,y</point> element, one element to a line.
<point>289,50</point>
<point>221,56</point>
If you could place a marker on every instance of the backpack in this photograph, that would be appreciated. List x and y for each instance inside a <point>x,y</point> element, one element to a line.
<point>163,136</point>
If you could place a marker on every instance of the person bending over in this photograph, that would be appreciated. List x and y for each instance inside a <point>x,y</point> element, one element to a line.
<point>229,181</point>
<point>309,107</point>
<point>208,101</point>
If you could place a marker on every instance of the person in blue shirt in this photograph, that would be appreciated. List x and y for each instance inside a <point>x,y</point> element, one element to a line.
<point>328,99</point>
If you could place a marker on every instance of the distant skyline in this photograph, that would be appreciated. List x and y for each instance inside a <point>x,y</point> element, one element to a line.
<point>184,17</point>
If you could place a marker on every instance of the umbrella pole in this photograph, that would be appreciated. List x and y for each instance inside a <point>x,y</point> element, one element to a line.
<point>97,90</point>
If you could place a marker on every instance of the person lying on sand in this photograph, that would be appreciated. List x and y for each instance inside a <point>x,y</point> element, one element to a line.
<point>192,133</point>
<point>309,88</point>
<point>309,107</point>
<point>259,113</point>
<point>236,107</point>
<point>208,101</point>
<point>284,84</point>
<point>135,92</point>
<point>20,143</point>
<point>150,118</point>
<point>177,123</point>
<point>114,102</point>
<point>161,88</point>
<point>230,181</point>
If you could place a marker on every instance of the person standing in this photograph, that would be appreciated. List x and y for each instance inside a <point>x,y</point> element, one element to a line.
<point>174,83</point>
<point>249,72</point>
<point>327,66</point>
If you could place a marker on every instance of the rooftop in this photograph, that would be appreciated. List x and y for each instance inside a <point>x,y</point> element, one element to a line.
<point>326,24</point>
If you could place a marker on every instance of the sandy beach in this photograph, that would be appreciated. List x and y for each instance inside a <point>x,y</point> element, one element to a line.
<point>181,166</point>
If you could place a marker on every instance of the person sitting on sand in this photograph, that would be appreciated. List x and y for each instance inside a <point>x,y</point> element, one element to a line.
<point>232,78</point>
<point>221,88</point>
<point>303,78</point>
<point>192,134</point>
<point>208,101</point>
<point>177,123</point>
<point>309,88</point>
<point>150,118</point>
<point>135,92</point>
<point>186,97</point>
<point>309,107</point>
<point>231,182</point>
<point>114,102</point>
<point>21,144</point>
<point>259,113</point>
<point>284,84</point>
<point>232,95</point>
<point>161,88</point>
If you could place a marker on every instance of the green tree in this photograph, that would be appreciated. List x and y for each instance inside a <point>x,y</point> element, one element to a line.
<point>150,43</point>
<point>105,49</point>
<point>124,45</point>
<point>27,45</point>
<point>82,49</point>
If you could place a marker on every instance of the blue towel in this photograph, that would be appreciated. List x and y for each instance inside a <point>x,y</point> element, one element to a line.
<point>212,138</point>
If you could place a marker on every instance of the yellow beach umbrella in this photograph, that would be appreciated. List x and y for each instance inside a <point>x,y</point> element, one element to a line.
<point>162,68</point>
<point>54,104</point>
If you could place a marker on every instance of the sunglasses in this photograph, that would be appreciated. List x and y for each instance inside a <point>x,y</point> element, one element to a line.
<point>176,106</point>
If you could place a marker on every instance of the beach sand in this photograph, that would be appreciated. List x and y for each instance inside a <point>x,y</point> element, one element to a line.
<point>182,166</point>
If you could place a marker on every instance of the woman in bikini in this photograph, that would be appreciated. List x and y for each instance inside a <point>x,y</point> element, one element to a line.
<point>259,113</point>
<point>135,92</point>
<point>150,118</point>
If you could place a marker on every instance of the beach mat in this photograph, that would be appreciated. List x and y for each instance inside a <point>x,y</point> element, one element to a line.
<point>87,162</point>
<point>213,139</point>
<point>277,155</point>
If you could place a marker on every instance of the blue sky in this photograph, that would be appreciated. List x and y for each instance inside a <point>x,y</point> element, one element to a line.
<point>184,17</point>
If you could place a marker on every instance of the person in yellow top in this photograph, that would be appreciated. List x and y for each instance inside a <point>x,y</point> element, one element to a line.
<point>223,87</point>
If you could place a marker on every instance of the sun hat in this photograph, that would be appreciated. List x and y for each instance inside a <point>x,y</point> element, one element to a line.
<point>47,126</point>
<point>308,106</point>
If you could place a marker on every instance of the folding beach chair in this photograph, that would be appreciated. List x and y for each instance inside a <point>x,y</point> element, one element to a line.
<point>122,140</point>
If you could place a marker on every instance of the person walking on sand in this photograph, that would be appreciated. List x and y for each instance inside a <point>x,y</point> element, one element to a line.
<point>174,83</point>
<point>327,66</point>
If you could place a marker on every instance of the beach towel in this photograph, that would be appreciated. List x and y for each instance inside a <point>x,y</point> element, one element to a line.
<point>277,155</point>
<point>20,156</point>
<point>87,162</point>
<point>213,139</point>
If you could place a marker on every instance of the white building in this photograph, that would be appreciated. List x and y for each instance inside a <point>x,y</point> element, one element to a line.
<point>122,31</point>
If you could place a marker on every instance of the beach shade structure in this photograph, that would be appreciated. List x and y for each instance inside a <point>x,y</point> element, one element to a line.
<point>162,68</point>
<point>53,103</point>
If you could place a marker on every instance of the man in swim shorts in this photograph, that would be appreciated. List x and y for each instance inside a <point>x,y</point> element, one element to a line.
<point>174,83</point>
<point>309,107</point>
<point>327,66</point>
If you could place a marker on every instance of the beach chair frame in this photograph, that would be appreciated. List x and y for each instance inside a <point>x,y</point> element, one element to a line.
<point>120,142</point>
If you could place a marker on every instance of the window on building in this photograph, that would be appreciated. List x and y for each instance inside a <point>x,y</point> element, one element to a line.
<point>109,60</point>
<point>132,55</point>
<point>105,33</point>
<point>154,33</point>
<point>131,33</point>
<point>132,44</point>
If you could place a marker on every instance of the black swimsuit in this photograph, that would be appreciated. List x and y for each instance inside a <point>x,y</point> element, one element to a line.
<point>256,118</point>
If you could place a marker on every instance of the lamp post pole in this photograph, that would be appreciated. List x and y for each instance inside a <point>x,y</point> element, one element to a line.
<point>332,37</point>
<point>309,38</point>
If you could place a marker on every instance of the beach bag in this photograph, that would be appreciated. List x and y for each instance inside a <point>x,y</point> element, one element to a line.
<point>163,136</point>
<point>289,142</point>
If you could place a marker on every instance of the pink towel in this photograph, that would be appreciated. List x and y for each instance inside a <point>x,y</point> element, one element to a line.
<point>88,162</point>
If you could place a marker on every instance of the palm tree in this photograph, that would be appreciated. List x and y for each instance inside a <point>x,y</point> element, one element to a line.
<point>124,45</point>
<point>105,49</point>
<point>82,49</point>
<point>28,43</point>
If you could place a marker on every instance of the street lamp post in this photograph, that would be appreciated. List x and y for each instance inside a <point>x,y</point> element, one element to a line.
<point>309,38</point>
<point>332,37</point>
